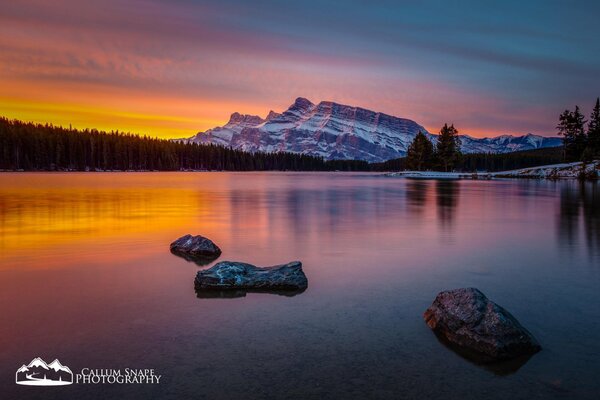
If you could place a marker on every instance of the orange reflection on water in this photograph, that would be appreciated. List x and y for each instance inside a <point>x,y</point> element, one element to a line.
<point>38,219</point>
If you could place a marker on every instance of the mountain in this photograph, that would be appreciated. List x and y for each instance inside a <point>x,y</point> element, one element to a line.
<point>507,143</point>
<point>23,368</point>
<point>57,366</point>
<point>38,363</point>
<point>336,131</point>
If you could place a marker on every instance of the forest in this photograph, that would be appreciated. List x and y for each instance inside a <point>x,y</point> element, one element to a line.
<point>36,147</point>
<point>491,162</point>
<point>43,147</point>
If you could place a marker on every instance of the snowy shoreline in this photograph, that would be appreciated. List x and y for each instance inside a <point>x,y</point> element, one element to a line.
<point>555,171</point>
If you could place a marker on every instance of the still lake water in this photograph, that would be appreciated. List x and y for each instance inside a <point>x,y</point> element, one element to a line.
<point>87,277</point>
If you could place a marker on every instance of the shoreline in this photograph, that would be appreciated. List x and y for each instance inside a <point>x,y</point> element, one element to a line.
<point>574,170</point>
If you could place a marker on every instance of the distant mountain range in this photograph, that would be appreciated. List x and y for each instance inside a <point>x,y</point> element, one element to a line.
<point>336,131</point>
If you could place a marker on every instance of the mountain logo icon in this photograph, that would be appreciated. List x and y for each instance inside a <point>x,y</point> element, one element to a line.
<point>38,373</point>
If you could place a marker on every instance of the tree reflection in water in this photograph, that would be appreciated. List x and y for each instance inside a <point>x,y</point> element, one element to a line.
<point>447,193</point>
<point>580,211</point>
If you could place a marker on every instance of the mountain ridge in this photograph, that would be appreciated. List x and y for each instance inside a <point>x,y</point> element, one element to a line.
<point>337,131</point>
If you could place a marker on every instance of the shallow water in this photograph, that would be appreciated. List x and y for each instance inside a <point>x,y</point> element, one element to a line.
<point>87,277</point>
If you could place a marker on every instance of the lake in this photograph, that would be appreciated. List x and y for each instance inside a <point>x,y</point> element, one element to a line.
<point>87,277</point>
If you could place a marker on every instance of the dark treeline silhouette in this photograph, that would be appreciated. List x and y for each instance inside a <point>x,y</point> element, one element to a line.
<point>491,162</point>
<point>580,144</point>
<point>507,161</point>
<point>37,147</point>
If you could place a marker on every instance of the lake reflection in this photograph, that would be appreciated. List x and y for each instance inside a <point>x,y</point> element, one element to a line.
<point>580,215</point>
<point>88,278</point>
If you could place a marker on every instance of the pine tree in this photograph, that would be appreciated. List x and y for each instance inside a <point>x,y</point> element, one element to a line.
<point>564,130</point>
<point>447,149</point>
<point>580,136</point>
<point>419,155</point>
<point>593,132</point>
<point>571,128</point>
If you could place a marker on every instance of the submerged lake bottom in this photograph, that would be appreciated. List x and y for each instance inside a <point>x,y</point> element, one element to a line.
<point>87,278</point>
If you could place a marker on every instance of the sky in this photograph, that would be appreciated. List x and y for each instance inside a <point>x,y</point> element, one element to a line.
<point>173,68</point>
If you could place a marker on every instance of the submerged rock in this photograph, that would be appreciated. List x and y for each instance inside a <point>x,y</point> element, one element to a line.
<point>195,246</point>
<point>228,275</point>
<point>468,319</point>
<point>237,293</point>
<point>200,261</point>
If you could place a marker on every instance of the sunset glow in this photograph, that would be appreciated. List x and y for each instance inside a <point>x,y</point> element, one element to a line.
<point>171,69</point>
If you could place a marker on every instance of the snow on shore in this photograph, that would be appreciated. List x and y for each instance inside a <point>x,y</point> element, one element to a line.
<point>554,171</point>
<point>439,175</point>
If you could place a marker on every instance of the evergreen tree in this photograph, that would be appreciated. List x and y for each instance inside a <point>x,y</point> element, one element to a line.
<point>419,155</point>
<point>593,133</point>
<point>447,149</point>
<point>564,130</point>
<point>571,128</point>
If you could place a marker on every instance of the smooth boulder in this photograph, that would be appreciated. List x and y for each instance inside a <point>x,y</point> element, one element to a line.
<point>228,275</point>
<point>468,319</point>
<point>196,246</point>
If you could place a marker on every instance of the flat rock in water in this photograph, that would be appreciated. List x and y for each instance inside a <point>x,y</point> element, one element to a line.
<point>198,246</point>
<point>467,318</point>
<point>228,275</point>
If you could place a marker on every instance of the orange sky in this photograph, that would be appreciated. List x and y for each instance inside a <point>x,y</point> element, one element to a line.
<point>171,69</point>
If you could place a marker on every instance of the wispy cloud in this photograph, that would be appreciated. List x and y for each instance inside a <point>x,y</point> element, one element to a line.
<point>167,68</point>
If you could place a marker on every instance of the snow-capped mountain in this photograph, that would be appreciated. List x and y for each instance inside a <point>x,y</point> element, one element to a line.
<point>507,143</point>
<point>336,131</point>
<point>23,368</point>
<point>57,366</point>
<point>38,363</point>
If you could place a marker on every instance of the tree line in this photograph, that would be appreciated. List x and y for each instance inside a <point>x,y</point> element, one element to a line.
<point>580,144</point>
<point>44,147</point>
<point>491,162</point>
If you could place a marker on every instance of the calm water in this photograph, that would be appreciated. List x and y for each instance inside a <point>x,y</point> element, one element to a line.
<point>87,277</point>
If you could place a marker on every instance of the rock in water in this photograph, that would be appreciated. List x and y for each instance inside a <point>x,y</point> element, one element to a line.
<point>195,246</point>
<point>237,275</point>
<point>467,318</point>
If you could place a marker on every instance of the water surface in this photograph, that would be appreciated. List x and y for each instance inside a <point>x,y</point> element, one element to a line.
<point>87,277</point>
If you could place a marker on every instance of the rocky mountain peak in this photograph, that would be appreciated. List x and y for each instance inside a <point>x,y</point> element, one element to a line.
<point>337,131</point>
<point>237,118</point>
<point>301,104</point>
<point>272,115</point>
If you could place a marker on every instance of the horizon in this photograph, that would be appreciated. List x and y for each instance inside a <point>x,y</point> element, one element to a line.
<point>173,69</point>
<point>142,134</point>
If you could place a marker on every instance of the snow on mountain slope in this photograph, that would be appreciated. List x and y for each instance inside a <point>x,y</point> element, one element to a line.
<point>337,131</point>
<point>57,366</point>
<point>38,362</point>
